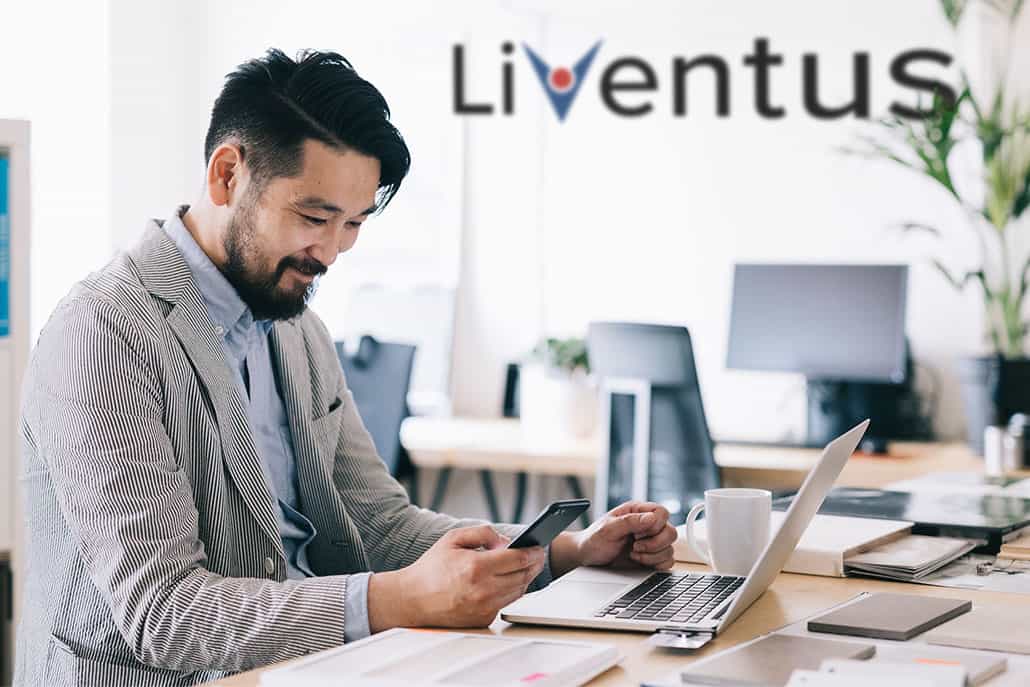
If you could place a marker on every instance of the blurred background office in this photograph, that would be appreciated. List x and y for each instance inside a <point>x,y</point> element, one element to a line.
<point>515,227</point>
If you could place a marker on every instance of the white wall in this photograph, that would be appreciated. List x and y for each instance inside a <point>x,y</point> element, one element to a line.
<point>54,71</point>
<point>157,119</point>
<point>599,217</point>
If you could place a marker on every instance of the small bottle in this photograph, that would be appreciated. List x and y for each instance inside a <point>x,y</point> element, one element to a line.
<point>1017,431</point>
<point>994,451</point>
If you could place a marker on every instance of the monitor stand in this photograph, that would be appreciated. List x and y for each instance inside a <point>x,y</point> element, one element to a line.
<point>834,407</point>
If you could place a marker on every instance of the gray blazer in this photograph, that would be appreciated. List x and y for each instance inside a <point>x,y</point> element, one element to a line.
<point>153,554</point>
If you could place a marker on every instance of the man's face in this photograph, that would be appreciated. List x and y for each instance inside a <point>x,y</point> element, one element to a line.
<point>282,237</point>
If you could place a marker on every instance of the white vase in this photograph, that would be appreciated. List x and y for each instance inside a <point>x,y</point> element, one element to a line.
<point>556,405</point>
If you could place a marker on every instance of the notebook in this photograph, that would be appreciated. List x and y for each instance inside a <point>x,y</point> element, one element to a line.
<point>910,558</point>
<point>1018,549</point>
<point>994,628</point>
<point>904,674</point>
<point>770,660</point>
<point>890,616</point>
<point>826,543</point>
<point>402,657</point>
<point>979,667</point>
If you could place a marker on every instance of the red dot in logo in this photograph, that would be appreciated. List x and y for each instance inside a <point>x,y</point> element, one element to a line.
<point>561,79</point>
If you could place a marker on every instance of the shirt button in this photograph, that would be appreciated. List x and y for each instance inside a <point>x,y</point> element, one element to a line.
<point>219,330</point>
<point>269,566</point>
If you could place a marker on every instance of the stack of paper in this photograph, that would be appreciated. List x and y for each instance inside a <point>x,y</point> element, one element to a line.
<point>1017,550</point>
<point>402,658</point>
<point>909,559</point>
<point>845,673</point>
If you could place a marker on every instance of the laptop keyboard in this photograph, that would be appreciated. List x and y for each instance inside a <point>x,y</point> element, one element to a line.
<point>672,597</point>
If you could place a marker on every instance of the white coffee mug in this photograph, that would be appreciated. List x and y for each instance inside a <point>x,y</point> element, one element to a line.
<point>737,524</point>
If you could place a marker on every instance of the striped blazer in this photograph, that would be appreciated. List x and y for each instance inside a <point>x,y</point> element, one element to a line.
<point>153,554</point>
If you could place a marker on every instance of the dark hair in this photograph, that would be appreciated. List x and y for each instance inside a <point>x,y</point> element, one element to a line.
<point>272,104</point>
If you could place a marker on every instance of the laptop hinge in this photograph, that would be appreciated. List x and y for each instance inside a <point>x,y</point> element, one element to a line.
<point>669,638</point>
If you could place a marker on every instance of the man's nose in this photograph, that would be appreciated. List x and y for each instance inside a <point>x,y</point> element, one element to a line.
<point>325,251</point>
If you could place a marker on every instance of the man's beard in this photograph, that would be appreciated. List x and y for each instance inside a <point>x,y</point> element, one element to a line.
<point>260,290</point>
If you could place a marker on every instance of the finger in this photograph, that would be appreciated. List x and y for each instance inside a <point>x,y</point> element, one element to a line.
<point>502,542</point>
<point>627,508</point>
<point>661,519</point>
<point>474,537</point>
<point>632,524</point>
<point>656,542</point>
<point>505,561</point>
<point>510,596</point>
<point>663,558</point>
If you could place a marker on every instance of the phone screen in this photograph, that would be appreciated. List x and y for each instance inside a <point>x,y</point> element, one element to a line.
<point>551,522</point>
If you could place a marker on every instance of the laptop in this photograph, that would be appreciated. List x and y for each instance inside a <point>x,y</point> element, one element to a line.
<point>688,604</point>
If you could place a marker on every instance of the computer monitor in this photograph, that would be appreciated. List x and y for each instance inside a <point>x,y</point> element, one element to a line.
<point>827,322</point>
<point>843,327</point>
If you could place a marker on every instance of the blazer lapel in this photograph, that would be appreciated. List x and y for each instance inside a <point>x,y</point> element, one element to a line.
<point>314,451</point>
<point>164,271</point>
<point>291,368</point>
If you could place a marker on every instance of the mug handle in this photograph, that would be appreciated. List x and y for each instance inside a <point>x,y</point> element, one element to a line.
<point>692,543</point>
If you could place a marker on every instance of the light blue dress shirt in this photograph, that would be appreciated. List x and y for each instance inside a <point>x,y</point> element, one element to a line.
<point>245,343</point>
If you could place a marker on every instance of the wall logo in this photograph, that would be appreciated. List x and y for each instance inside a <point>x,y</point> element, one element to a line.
<point>628,84</point>
<point>561,84</point>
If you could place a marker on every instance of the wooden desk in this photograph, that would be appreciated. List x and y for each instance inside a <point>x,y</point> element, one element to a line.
<point>790,599</point>
<point>486,445</point>
<point>498,445</point>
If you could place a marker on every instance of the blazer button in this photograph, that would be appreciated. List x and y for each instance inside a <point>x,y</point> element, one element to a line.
<point>269,566</point>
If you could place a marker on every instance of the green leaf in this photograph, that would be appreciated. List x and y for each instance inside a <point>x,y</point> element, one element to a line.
<point>960,284</point>
<point>953,10</point>
<point>909,227</point>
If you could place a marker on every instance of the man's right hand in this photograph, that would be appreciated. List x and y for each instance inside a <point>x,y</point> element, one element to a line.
<point>462,581</point>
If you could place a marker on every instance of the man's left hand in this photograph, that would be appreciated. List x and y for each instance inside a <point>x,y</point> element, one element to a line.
<point>634,534</point>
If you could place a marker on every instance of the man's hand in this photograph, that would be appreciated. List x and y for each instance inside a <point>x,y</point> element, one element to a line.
<point>462,581</point>
<point>633,534</point>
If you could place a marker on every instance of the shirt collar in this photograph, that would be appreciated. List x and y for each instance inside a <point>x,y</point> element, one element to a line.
<point>224,304</point>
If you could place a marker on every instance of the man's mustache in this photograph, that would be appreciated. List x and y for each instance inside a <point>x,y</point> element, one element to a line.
<point>310,267</point>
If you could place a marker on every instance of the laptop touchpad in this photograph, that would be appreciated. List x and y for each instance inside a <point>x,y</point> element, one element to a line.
<point>579,598</point>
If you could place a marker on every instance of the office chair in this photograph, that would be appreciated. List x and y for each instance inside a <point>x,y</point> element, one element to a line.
<point>657,443</point>
<point>379,375</point>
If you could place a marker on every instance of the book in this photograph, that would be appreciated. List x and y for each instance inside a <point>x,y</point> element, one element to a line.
<point>770,660</point>
<point>826,543</point>
<point>1017,549</point>
<point>431,658</point>
<point>980,667</point>
<point>992,628</point>
<point>890,616</point>
<point>910,558</point>
<point>906,674</point>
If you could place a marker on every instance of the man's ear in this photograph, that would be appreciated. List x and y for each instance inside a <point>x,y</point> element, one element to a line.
<point>224,173</point>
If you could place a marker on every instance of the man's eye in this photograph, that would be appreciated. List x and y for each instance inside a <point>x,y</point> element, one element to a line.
<point>354,225</point>
<point>314,220</point>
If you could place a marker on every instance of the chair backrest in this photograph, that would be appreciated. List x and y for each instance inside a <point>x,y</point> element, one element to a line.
<point>420,315</point>
<point>379,375</point>
<point>659,360</point>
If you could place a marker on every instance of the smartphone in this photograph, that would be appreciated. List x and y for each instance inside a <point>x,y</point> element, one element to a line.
<point>551,521</point>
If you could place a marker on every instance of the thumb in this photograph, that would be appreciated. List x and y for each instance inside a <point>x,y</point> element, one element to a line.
<point>475,537</point>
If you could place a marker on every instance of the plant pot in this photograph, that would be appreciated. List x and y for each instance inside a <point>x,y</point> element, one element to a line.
<point>555,405</point>
<point>993,390</point>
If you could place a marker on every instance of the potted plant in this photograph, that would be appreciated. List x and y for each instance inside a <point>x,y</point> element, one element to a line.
<point>998,384</point>
<point>557,397</point>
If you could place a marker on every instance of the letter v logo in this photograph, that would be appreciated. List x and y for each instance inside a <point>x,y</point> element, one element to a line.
<point>561,84</point>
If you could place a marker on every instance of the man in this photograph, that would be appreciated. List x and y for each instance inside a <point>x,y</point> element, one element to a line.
<point>202,496</point>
